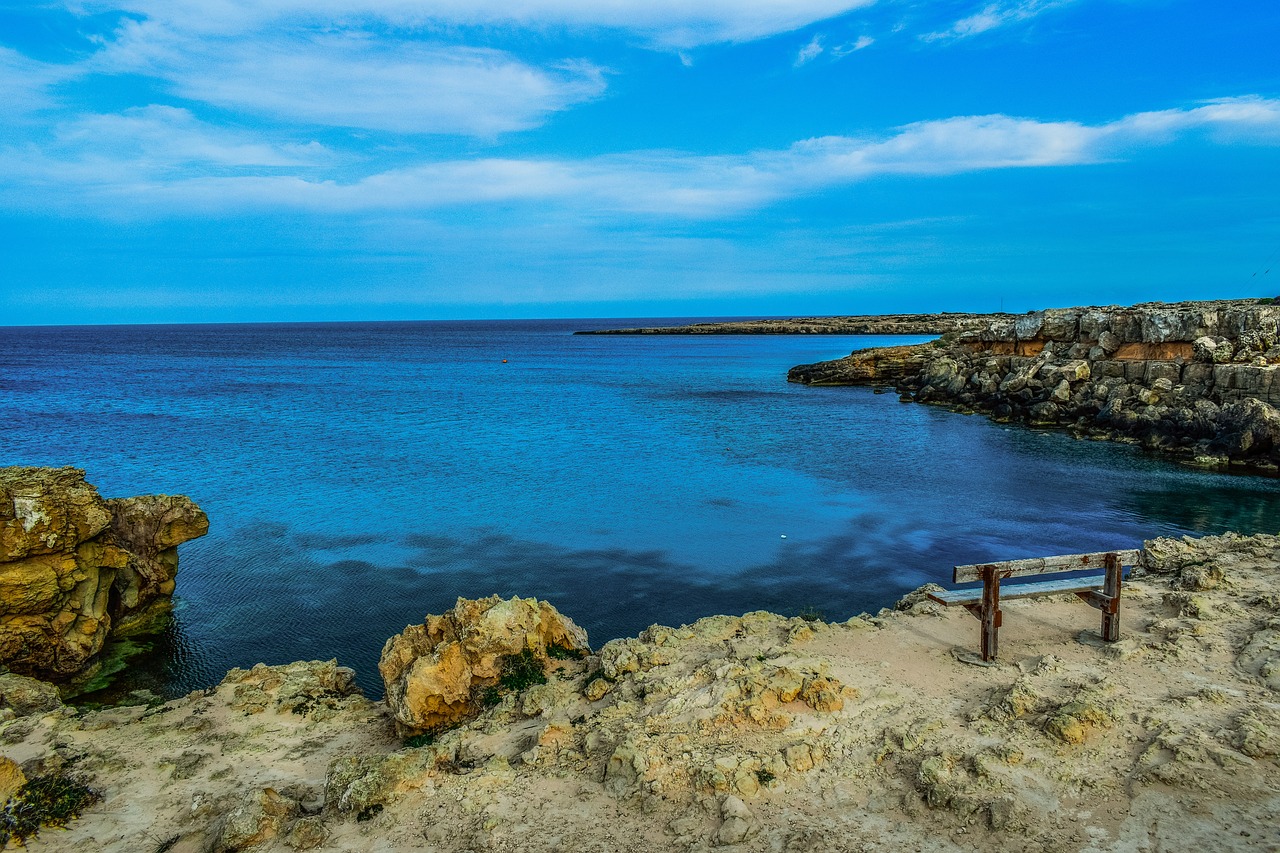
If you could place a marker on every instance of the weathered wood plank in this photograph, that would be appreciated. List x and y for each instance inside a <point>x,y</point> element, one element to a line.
<point>1043,565</point>
<point>990,614</point>
<point>1111,613</point>
<point>966,597</point>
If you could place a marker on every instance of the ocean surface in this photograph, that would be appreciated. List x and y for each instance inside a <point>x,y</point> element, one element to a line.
<point>359,476</point>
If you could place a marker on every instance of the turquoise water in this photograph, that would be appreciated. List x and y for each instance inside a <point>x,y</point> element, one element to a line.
<point>359,476</point>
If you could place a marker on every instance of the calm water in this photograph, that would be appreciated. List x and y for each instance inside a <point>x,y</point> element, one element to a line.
<point>359,476</point>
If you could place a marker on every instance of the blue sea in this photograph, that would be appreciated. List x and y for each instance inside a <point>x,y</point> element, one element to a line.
<point>359,476</point>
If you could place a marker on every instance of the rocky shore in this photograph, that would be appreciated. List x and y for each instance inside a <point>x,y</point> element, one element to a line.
<point>1195,380</point>
<point>753,732</point>
<point>864,324</point>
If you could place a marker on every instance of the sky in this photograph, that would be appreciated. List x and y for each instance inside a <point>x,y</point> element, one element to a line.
<point>281,160</point>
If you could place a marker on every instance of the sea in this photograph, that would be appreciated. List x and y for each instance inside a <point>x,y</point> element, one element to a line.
<point>359,476</point>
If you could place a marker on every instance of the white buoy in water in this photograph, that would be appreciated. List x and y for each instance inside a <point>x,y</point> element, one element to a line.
<point>784,536</point>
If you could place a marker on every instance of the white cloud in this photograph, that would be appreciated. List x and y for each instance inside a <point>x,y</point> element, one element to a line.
<point>351,81</point>
<point>861,43</point>
<point>996,15</point>
<point>809,52</point>
<point>25,83</point>
<point>163,138</point>
<point>670,23</point>
<point>397,65</point>
<point>649,183</point>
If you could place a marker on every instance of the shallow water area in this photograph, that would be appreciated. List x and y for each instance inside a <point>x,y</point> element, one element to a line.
<point>358,476</point>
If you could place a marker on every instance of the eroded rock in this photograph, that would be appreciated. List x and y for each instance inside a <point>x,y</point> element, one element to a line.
<point>76,569</point>
<point>434,672</point>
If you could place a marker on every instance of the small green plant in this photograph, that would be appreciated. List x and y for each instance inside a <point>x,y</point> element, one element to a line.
<point>559,652</point>
<point>521,671</point>
<point>764,776</point>
<point>424,739</point>
<point>167,844</point>
<point>518,672</point>
<point>50,800</point>
<point>809,613</point>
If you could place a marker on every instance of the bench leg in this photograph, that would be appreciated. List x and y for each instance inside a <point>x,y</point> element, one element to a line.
<point>990,613</point>
<point>1111,589</point>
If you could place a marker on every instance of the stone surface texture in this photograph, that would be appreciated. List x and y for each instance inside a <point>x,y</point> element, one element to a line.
<point>1197,380</point>
<point>76,569</point>
<point>434,672</point>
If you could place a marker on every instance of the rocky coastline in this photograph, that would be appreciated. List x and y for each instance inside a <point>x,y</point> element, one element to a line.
<point>862,324</point>
<point>1193,380</point>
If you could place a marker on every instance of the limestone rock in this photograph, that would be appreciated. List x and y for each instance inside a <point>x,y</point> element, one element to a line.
<point>1261,657</point>
<point>360,783</point>
<point>11,778</point>
<point>75,569</point>
<point>306,688</point>
<point>434,672</point>
<point>738,824</point>
<point>28,695</point>
<point>875,366</point>
<point>1258,732</point>
<point>47,511</point>
<point>260,818</point>
<point>307,833</point>
<point>1072,722</point>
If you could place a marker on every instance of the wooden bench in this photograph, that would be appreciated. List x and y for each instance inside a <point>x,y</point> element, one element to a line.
<point>1101,591</point>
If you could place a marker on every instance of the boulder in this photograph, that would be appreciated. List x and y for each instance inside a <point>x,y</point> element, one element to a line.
<point>259,819</point>
<point>435,672</point>
<point>27,696</point>
<point>75,568</point>
<point>307,688</point>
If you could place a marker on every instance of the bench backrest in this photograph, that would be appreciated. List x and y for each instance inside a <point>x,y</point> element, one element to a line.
<point>1044,565</point>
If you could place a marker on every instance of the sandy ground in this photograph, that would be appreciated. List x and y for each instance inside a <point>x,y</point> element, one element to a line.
<point>1167,740</point>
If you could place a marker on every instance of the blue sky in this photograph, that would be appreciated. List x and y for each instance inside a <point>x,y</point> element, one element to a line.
<point>227,160</point>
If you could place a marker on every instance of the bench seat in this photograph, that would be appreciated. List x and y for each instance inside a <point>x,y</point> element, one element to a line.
<point>966,597</point>
<point>1100,591</point>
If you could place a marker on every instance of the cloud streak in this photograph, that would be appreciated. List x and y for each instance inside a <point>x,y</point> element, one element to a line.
<point>666,23</point>
<point>994,16</point>
<point>165,160</point>
<point>27,84</point>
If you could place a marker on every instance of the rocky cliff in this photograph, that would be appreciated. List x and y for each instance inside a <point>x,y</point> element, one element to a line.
<point>1194,379</point>
<point>754,733</point>
<point>863,324</point>
<point>76,569</point>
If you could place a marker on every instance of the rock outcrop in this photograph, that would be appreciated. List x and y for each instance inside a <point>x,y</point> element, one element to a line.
<point>435,672</point>
<point>1194,379</point>
<point>76,569</point>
